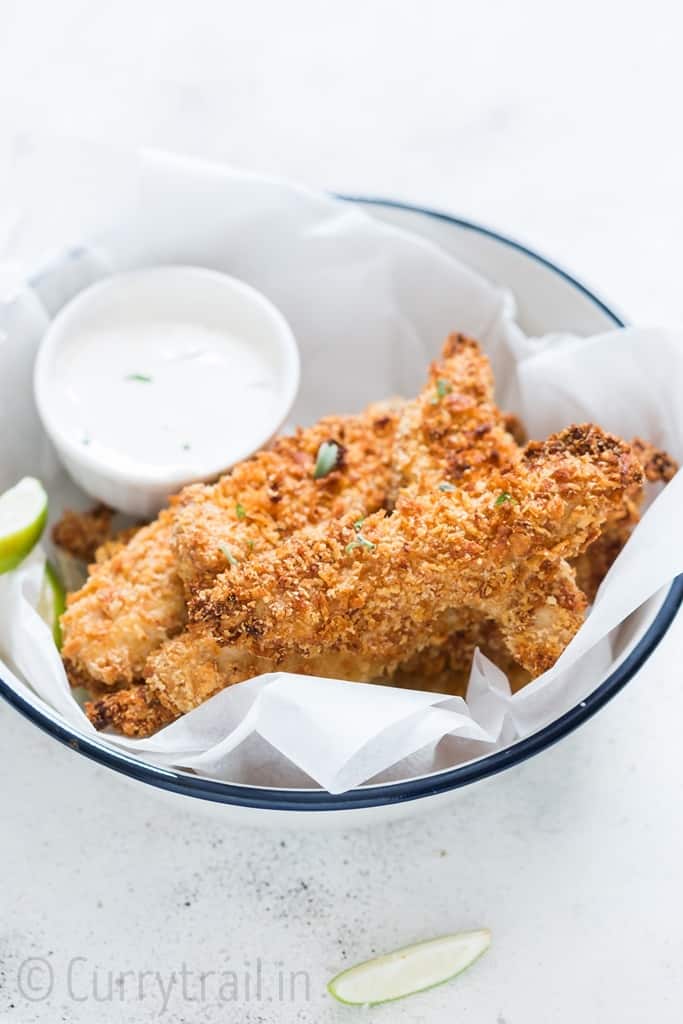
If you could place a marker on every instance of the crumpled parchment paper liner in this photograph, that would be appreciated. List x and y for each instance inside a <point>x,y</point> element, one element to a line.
<point>370,305</point>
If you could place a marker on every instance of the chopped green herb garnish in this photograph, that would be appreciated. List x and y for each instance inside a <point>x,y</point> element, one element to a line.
<point>143,378</point>
<point>250,545</point>
<point>358,523</point>
<point>326,459</point>
<point>443,387</point>
<point>228,554</point>
<point>445,486</point>
<point>359,542</point>
<point>502,498</point>
<point>240,510</point>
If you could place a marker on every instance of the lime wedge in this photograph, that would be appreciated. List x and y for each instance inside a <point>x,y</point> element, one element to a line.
<point>23,513</point>
<point>409,970</point>
<point>52,602</point>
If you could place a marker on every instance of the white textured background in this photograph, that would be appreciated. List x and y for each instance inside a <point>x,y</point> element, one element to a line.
<point>560,125</point>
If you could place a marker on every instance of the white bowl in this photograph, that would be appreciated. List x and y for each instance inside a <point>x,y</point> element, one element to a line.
<point>134,301</point>
<point>549,299</point>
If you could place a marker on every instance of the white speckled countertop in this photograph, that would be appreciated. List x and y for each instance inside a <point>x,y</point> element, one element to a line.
<point>560,126</point>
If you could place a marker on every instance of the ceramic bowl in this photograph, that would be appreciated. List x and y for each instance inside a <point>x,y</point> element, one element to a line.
<point>548,299</point>
<point>133,300</point>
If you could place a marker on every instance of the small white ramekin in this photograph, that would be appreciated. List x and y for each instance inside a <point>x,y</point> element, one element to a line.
<point>165,292</point>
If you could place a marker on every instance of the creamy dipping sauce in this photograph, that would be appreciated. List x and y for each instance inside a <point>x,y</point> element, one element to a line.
<point>160,395</point>
<point>154,378</point>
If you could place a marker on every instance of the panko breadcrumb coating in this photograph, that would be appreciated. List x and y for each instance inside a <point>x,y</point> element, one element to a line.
<point>453,435</point>
<point>130,604</point>
<point>378,595</point>
<point>592,566</point>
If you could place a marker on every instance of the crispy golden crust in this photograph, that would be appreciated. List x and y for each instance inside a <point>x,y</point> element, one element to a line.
<point>133,712</point>
<point>268,497</point>
<point>80,534</point>
<point>130,604</point>
<point>188,670</point>
<point>377,595</point>
<point>592,566</point>
<point>453,435</point>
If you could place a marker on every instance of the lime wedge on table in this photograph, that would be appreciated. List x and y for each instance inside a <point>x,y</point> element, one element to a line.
<point>409,970</point>
<point>52,602</point>
<point>23,513</point>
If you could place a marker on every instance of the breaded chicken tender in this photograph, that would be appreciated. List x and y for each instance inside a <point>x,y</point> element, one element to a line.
<point>377,593</point>
<point>191,668</point>
<point>188,670</point>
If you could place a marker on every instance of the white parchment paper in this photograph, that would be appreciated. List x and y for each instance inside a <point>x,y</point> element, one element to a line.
<point>370,305</point>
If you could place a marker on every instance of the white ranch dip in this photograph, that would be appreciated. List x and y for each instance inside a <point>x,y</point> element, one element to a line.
<point>164,394</point>
<point>151,379</point>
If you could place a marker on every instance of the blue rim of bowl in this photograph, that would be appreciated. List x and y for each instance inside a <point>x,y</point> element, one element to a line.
<point>393,793</point>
